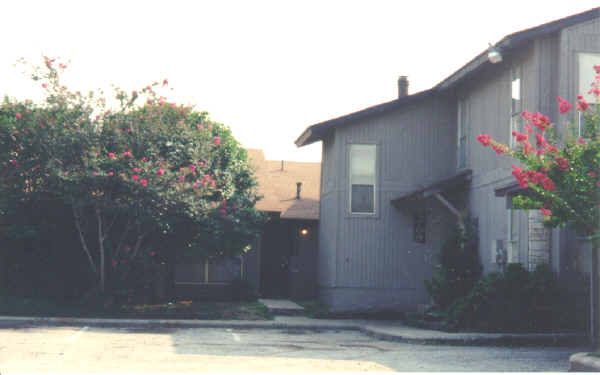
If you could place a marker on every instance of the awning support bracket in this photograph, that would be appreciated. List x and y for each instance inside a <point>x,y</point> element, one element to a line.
<point>448,205</point>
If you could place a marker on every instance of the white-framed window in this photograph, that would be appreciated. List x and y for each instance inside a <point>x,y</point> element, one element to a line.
<point>461,156</point>
<point>362,176</point>
<point>587,75</point>
<point>516,104</point>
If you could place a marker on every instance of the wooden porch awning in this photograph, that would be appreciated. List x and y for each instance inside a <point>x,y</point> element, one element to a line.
<point>455,182</point>
<point>510,189</point>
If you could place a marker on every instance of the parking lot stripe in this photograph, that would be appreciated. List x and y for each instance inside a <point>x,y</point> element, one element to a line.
<point>77,334</point>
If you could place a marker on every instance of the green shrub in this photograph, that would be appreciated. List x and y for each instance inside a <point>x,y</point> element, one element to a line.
<point>459,267</point>
<point>516,300</point>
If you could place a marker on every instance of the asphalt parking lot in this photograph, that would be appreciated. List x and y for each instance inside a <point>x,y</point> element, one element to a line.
<point>87,349</point>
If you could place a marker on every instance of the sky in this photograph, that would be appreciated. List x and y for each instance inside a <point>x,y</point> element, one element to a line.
<point>267,69</point>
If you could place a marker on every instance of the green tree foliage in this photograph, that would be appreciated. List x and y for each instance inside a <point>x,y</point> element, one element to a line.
<point>139,179</point>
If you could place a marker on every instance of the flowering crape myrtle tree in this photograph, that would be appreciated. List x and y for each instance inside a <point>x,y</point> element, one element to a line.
<point>141,179</point>
<point>561,177</point>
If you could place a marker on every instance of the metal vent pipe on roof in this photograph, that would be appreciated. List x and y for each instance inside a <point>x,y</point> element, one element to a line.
<point>298,189</point>
<point>402,86</point>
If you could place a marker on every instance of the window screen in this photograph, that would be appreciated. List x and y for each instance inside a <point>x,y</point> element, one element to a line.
<point>362,178</point>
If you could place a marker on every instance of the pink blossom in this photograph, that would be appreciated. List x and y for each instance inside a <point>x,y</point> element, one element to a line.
<point>161,102</point>
<point>160,172</point>
<point>597,69</point>
<point>181,179</point>
<point>44,85</point>
<point>200,127</point>
<point>224,203</point>
<point>137,170</point>
<point>95,173</point>
<point>127,249</point>
<point>562,163</point>
<point>128,154</point>
<point>180,123</point>
<point>114,263</point>
<point>192,168</point>
<point>545,211</point>
<point>111,173</point>
<point>152,253</point>
<point>222,211</point>
<point>484,139</point>
<point>165,82</point>
<point>111,155</point>
<point>563,106</point>
<point>144,183</point>
<point>135,177</point>
<point>217,140</point>
<point>18,116</point>
<point>591,174</point>
<point>581,141</point>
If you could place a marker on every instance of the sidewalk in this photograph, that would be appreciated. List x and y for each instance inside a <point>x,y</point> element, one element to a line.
<point>383,330</point>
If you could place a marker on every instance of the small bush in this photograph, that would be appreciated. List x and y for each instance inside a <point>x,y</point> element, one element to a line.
<point>459,267</point>
<point>516,300</point>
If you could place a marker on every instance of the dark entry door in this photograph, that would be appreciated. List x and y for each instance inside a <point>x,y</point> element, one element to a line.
<point>275,260</point>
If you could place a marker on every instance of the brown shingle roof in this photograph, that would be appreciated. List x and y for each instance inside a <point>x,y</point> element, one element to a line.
<point>278,186</point>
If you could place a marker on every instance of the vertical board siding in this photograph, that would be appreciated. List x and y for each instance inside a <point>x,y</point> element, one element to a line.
<point>328,215</point>
<point>416,146</point>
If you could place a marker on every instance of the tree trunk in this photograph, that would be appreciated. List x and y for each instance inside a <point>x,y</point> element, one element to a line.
<point>595,298</point>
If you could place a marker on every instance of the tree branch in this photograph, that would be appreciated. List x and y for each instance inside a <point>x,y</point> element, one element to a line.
<point>82,239</point>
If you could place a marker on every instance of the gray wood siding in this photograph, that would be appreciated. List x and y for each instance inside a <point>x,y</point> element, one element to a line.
<point>416,146</point>
<point>328,223</point>
<point>488,101</point>
<point>583,37</point>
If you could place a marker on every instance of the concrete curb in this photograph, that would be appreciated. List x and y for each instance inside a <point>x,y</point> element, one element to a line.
<point>401,334</point>
<point>480,339</point>
<point>583,362</point>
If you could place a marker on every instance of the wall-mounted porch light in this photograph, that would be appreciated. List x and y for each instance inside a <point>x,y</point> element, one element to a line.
<point>494,56</point>
<point>304,232</point>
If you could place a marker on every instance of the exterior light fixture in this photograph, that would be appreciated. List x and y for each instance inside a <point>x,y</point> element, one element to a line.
<point>304,232</point>
<point>494,56</point>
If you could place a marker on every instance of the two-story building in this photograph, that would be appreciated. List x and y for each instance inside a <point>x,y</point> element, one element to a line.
<point>395,176</point>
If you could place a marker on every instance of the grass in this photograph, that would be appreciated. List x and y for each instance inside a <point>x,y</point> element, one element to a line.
<point>185,309</point>
<point>313,309</point>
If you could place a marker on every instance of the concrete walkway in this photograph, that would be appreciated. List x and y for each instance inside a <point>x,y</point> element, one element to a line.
<point>384,330</point>
<point>282,307</point>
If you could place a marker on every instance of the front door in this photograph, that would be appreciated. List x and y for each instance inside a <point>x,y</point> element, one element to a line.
<point>275,260</point>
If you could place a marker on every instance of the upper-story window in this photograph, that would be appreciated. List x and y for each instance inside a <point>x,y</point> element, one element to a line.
<point>363,160</point>
<point>587,75</point>
<point>461,157</point>
<point>516,104</point>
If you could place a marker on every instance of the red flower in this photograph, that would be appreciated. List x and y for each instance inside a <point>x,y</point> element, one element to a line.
<point>582,105</point>
<point>581,141</point>
<point>180,123</point>
<point>95,173</point>
<point>519,136</point>
<point>597,69</point>
<point>540,140</point>
<point>165,82</point>
<point>18,116</point>
<point>548,184</point>
<point>111,155</point>
<point>222,211</point>
<point>591,174</point>
<point>127,153</point>
<point>192,168</point>
<point>144,183</point>
<point>545,211</point>
<point>484,139</point>
<point>499,148</point>
<point>111,173</point>
<point>135,177</point>
<point>563,106</point>
<point>44,85</point>
<point>160,172</point>
<point>137,170</point>
<point>127,249</point>
<point>181,178</point>
<point>217,140</point>
<point>200,127</point>
<point>224,203</point>
<point>562,163</point>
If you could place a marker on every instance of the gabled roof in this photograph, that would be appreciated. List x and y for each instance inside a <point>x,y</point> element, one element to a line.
<point>512,41</point>
<point>277,184</point>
